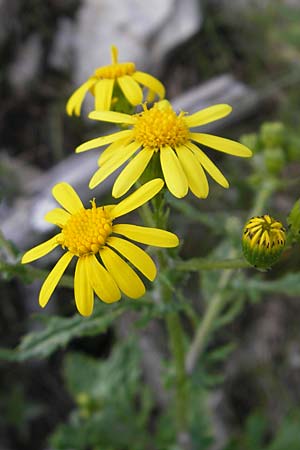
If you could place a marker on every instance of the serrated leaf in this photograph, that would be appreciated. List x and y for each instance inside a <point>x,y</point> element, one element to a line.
<point>58,331</point>
<point>221,353</point>
<point>287,285</point>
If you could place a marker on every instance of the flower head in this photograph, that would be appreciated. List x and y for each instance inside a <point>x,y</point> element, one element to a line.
<point>263,241</point>
<point>102,248</point>
<point>106,81</point>
<point>161,130</point>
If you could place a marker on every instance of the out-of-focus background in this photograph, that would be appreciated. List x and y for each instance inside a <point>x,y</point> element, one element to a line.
<point>243,52</point>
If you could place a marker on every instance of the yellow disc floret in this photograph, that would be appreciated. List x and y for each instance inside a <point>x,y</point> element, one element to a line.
<point>114,71</point>
<point>263,240</point>
<point>86,231</point>
<point>160,126</point>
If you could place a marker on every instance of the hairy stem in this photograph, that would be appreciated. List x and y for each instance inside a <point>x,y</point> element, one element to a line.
<point>215,306</point>
<point>196,264</point>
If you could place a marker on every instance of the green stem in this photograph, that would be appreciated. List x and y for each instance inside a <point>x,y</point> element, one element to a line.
<point>267,189</point>
<point>146,215</point>
<point>196,264</point>
<point>215,306</point>
<point>175,331</point>
<point>6,245</point>
<point>176,335</point>
<point>217,302</point>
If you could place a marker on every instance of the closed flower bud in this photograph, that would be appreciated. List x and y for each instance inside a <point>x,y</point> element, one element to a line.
<point>272,134</point>
<point>263,241</point>
<point>274,159</point>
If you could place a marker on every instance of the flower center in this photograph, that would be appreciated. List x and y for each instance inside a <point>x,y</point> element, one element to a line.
<point>86,231</point>
<point>160,126</point>
<point>265,232</point>
<point>114,71</point>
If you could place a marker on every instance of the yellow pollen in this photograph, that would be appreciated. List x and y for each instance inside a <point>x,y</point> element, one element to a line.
<point>157,127</point>
<point>86,231</point>
<point>265,232</point>
<point>114,71</point>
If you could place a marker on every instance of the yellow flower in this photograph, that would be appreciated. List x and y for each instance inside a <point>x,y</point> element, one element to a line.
<point>263,241</point>
<point>160,129</point>
<point>116,75</point>
<point>102,247</point>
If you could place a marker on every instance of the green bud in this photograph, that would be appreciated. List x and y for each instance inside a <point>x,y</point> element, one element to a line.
<point>272,134</point>
<point>274,160</point>
<point>263,241</point>
<point>82,399</point>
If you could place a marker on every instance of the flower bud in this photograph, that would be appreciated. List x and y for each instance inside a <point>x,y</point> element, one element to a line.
<point>272,134</point>
<point>274,159</point>
<point>263,241</point>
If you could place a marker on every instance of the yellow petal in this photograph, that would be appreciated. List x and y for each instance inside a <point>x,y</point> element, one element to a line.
<point>150,82</point>
<point>127,280</point>
<point>138,198</point>
<point>75,101</point>
<point>209,166</point>
<point>40,250</point>
<point>195,174</point>
<point>57,216</point>
<point>207,115</point>
<point>112,116</point>
<point>101,281</point>
<point>53,278</point>
<point>150,96</point>
<point>113,164</point>
<point>147,235</point>
<point>131,89</point>
<point>83,292</point>
<point>103,140</point>
<point>114,54</point>
<point>132,172</point>
<point>111,150</point>
<point>103,94</point>
<point>174,175</point>
<point>140,259</point>
<point>67,197</point>
<point>223,145</point>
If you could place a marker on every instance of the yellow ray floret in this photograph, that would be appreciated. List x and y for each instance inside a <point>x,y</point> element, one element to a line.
<point>103,249</point>
<point>161,130</point>
<point>105,80</point>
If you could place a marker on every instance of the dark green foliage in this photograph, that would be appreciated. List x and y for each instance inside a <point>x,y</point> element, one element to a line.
<point>113,405</point>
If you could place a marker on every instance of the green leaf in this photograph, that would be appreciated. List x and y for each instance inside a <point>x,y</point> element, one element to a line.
<point>58,331</point>
<point>294,220</point>
<point>289,284</point>
<point>108,415</point>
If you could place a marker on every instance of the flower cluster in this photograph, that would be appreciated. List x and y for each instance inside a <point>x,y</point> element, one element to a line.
<point>157,136</point>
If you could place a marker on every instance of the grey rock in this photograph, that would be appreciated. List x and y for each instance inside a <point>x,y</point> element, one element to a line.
<point>60,56</point>
<point>25,67</point>
<point>143,31</point>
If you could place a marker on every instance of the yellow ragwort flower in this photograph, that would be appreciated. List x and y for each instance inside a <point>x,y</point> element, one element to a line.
<point>160,129</point>
<point>102,247</point>
<point>123,75</point>
<point>263,241</point>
